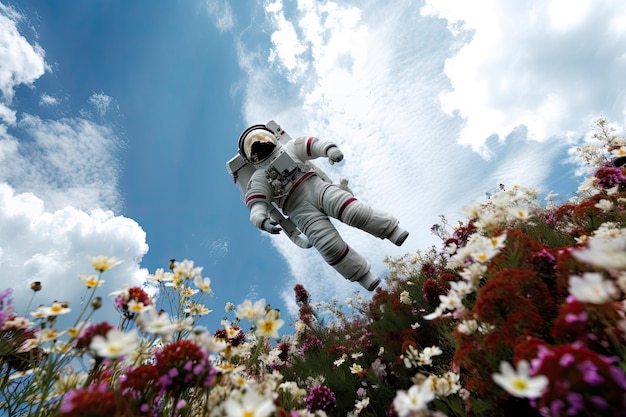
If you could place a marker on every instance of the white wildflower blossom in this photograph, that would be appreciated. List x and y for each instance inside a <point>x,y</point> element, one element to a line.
<point>417,398</point>
<point>467,326</point>
<point>592,288</point>
<point>604,253</point>
<point>405,298</point>
<point>605,205</point>
<point>518,382</point>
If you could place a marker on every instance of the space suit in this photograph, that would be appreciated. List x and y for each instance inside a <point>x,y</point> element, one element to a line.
<point>285,177</point>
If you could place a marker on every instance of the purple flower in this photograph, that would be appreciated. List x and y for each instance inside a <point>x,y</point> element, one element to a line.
<point>590,373</point>
<point>321,398</point>
<point>609,177</point>
<point>567,360</point>
<point>576,403</point>
<point>618,376</point>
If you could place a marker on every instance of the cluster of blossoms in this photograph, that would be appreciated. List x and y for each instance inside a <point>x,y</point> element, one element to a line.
<point>521,311</point>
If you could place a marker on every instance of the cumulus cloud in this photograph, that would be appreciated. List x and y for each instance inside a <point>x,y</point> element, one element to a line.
<point>426,124</point>
<point>553,67</point>
<point>52,247</point>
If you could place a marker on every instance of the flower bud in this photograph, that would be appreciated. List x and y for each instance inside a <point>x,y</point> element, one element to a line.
<point>35,286</point>
<point>96,303</point>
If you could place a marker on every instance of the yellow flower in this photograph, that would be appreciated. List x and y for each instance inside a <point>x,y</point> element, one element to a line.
<point>103,263</point>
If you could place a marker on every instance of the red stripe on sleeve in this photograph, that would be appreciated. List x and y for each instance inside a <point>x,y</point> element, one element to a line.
<point>308,146</point>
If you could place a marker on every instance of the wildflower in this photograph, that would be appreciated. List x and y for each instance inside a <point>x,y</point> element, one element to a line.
<point>608,177</point>
<point>159,276</point>
<point>519,212</point>
<point>340,361</point>
<point>56,309</point>
<point>16,323</point>
<point>186,270</point>
<point>302,295</point>
<point>292,388</point>
<point>605,205</point>
<point>356,369</point>
<point>187,292</point>
<point>96,399</point>
<point>268,327</point>
<point>229,307</point>
<point>405,298</point>
<point>444,385</point>
<point>252,404</point>
<point>46,335</point>
<point>249,311</point>
<point>361,405</point>
<point>356,355</point>
<point>88,333</point>
<point>468,326</point>
<point>425,356</point>
<point>604,253</point>
<point>103,263</point>
<point>115,344</point>
<point>415,399</point>
<point>518,382</point>
<point>321,398</point>
<point>183,364</point>
<point>592,288</point>
<point>131,298</point>
<point>621,151</point>
<point>197,309</point>
<point>157,323</point>
<point>461,288</point>
<point>203,285</point>
<point>90,281</point>
<point>135,306</point>
<point>96,303</point>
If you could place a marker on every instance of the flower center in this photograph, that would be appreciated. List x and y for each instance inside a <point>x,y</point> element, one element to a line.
<point>520,384</point>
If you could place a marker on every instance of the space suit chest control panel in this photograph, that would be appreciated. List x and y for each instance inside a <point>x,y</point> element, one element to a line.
<point>283,172</point>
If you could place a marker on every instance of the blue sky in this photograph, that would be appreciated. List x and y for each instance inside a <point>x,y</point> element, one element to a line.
<point>117,119</point>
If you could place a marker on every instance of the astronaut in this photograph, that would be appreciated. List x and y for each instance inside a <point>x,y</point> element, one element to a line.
<point>285,177</point>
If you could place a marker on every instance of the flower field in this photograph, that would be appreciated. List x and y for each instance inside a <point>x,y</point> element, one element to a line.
<point>520,311</point>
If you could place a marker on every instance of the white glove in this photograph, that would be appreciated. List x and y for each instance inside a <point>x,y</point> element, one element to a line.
<point>271,226</point>
<point>334,155</point>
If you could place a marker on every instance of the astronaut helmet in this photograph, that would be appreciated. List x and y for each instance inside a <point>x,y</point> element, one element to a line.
<point>257,144</point>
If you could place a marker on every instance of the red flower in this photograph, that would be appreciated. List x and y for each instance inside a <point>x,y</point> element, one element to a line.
<point>302,295</point>
<point>93,401</point>
<point>182,365</point>
<point>431,289</point>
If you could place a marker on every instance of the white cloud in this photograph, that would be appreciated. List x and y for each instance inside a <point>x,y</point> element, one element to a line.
<point>52,247</point>
<point>553,67</point>
<point>371,79</point>
<point>101,102</point>
<point>64,162</point>
<point>20,62</point>
<point>222,14</point>
<point>48,100</point>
